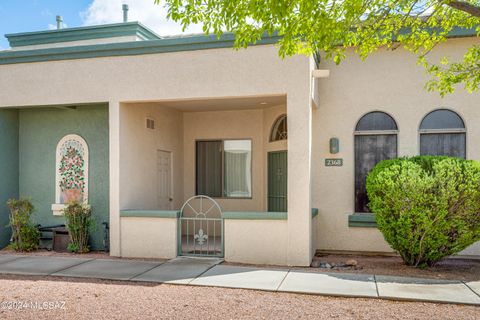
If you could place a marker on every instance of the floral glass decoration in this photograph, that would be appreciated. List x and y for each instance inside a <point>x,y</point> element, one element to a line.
<point>72,170</point>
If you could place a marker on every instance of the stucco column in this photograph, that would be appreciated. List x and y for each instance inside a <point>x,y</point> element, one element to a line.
<point>299,116</point>
<point>114,152</point>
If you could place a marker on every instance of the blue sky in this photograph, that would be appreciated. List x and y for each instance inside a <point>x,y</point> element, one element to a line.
<point>35,15</point>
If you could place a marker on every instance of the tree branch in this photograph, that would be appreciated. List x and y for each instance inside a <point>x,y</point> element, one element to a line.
<point>465,7</point>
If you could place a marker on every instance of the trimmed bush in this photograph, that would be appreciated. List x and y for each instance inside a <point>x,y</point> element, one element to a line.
<point>427,207</point>
<point>25,236</point>
<point>79,222</point>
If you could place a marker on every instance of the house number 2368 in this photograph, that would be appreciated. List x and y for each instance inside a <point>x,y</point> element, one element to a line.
<point>333,162</point>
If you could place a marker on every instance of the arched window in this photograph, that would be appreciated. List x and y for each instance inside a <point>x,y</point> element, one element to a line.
<point>442,133</point>
<point>71,170</point>
<point>279,129</point>
<point>375,140</point>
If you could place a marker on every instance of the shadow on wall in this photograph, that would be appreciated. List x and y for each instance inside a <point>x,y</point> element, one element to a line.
<point>9,169</point>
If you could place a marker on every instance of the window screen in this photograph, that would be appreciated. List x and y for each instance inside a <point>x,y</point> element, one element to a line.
<point>442,133</point>
<point>371,147</point>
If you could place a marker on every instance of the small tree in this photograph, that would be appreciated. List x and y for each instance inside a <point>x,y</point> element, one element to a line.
<point>426,207</point>
<point>25,236</point>
<point>79,221</point>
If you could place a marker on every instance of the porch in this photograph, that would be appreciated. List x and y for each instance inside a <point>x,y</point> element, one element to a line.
<point>233,150</point>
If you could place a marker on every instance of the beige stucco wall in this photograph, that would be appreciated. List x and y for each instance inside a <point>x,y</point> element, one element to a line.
<point>214,73</point>
<point>248,241</point>
<point>138,174</point>
<point>387,81</point>
<point>148,237</point>
<point>254,124</point>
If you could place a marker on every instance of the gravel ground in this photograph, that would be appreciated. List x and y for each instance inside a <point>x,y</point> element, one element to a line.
<point>96,299</point>
<point>450,268</point>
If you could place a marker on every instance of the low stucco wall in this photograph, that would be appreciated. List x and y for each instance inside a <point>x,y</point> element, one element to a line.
<point>148,237</point>
<point>256,241</point>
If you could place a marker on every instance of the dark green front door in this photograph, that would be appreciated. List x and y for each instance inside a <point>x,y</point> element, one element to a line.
<point>277,181</point>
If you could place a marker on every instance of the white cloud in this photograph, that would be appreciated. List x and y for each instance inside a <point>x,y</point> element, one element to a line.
<point>145,11</point>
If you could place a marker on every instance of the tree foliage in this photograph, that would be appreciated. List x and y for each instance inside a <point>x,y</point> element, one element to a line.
<point>332,26</point>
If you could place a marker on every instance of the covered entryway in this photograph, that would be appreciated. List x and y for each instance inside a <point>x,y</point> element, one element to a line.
<point>200,228</point>
<point>277,181</point>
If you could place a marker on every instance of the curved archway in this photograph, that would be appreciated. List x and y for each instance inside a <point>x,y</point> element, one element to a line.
<point>279,129</point>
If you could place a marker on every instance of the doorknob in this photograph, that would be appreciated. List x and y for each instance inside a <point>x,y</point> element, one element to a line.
<point>170,199</point>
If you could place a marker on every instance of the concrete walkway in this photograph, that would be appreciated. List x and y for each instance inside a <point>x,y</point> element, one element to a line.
<point>210,272</point>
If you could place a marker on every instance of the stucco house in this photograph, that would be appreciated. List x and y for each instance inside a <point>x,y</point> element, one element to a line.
<point>279,149</point>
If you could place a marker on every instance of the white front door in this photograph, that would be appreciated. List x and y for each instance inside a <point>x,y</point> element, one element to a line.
<point>164,177</point>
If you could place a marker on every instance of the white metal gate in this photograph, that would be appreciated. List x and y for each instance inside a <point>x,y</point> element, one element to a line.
<point>200,228</point>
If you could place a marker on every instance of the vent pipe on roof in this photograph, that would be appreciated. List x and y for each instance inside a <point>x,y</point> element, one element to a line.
<point>125,12</point>
<point>59,22</point>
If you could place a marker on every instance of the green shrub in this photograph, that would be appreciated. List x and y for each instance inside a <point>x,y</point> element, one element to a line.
<point>25,236</point>
<point>426,207</point>
<point>79,222</point>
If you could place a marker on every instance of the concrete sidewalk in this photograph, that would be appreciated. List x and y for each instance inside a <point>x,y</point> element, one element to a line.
<point>210,272</point>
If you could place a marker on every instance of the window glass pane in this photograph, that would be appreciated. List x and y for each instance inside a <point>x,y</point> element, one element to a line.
<point>443,144</point>
<point>238,171</point>
<point>279,129</point>
<point>369,150</point>
<point>209,168</point>
<point>442,119</point>
<point>374,121</point>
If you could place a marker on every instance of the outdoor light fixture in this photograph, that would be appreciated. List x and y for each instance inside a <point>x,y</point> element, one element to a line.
<point>334,145</point>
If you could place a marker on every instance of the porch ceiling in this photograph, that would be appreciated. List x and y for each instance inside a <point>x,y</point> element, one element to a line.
<point>219,104</point>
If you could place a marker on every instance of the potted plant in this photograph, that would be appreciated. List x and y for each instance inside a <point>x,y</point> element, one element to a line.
<point>72,183</point>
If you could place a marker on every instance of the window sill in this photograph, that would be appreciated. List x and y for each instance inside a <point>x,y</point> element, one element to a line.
<point>362,220</point>
<point>57,209</point>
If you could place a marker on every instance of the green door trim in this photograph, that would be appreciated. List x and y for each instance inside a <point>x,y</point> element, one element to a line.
<point>277,195</point>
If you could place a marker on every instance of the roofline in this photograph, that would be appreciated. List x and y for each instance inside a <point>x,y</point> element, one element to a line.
<point>190,43</point>
<point>174,44</point>
<point>81,33</point>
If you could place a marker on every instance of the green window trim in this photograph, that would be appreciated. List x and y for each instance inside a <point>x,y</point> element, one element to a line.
<point>363,220</point>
